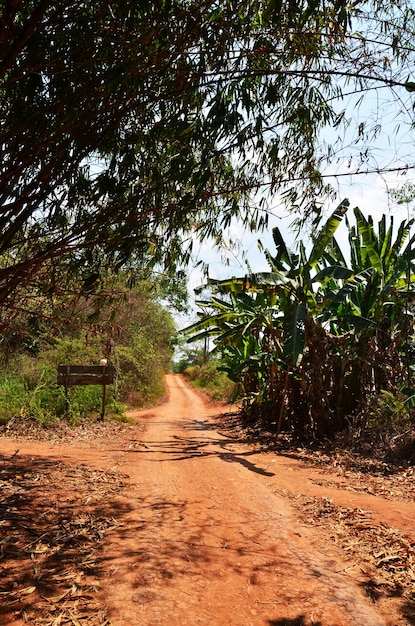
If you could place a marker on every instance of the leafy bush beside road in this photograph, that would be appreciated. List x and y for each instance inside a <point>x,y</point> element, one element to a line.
<point>212,379</point>
<point>139,343</point>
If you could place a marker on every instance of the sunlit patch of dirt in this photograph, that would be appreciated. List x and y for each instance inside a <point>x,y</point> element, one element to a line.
<point>382,557</point>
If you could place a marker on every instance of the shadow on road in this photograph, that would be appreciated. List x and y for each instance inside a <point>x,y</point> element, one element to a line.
<point>180,448</point>
<point>56,518</point>
<point>53,520</point>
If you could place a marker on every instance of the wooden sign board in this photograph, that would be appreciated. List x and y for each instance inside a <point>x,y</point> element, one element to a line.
<point>70,375</point>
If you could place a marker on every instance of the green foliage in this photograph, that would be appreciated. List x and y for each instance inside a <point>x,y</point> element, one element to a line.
<point>188,356</point>
<point>12,396</point>
<point>28,388</point>
<point>142,350</point>
<point>311,340</point>
<point>389,408</point>
<point>192,372</point>
<point>138,341</point>
<point>127,128</point>
<point>212,379</point>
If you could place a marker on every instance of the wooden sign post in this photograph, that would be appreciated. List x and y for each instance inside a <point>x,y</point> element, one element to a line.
<point>70,375</point>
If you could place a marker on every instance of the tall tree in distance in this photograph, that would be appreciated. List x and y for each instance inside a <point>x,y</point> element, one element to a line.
<point>127,127</point>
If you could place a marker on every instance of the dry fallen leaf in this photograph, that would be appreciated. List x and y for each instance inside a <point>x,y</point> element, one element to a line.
<point>27,591</point>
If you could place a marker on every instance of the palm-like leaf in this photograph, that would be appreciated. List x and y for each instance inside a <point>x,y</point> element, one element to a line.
<point>325,236</point>
<point>294,342</point>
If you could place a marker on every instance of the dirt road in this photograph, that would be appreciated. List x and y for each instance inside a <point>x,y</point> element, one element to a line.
<point>208,534</point>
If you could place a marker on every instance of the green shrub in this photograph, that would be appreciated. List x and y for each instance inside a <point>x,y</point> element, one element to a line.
<point>389,409</point>
<point>13,395</point>
<point>139,345</point>
<point>28,387</point>
<point>192,372</point>
<point>211,379</point>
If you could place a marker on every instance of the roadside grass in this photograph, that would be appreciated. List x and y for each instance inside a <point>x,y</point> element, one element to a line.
<point>211,380</point>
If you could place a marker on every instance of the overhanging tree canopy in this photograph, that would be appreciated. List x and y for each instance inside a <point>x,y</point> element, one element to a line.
<point>125,126</point>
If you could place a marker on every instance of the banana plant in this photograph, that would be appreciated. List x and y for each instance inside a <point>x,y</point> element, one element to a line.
<point>315,335</point>
<point>304,281</point>
<point>243,329</point>
<point>391,262</point>
<point>260,321</point>
<point>385,300</point>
